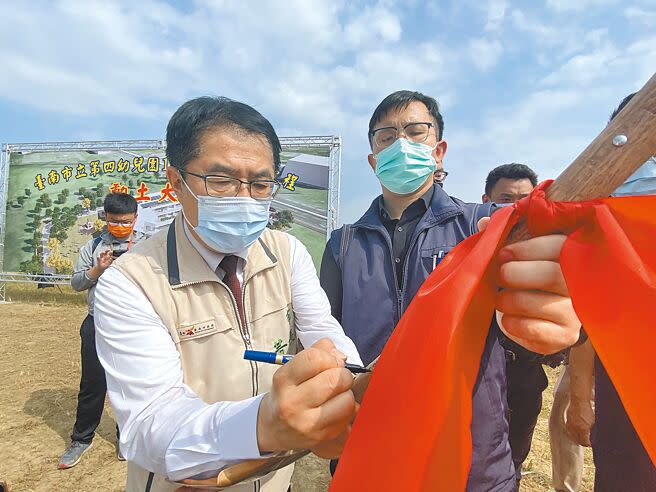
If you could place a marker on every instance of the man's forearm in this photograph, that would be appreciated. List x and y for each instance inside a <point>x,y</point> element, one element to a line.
<point>81,280</point>
<point>581,371</point>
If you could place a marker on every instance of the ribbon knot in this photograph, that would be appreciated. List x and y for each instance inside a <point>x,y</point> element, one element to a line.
<point>544,216</point>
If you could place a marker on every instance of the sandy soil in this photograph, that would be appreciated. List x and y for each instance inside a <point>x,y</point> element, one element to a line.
<point>39,368</point>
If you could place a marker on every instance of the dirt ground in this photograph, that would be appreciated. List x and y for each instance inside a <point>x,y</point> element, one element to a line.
<point>39,368</point>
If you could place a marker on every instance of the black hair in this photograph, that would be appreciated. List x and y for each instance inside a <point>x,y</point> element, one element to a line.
<point>509,171</point>
<point>400,100</point>
<point>120,203</point>
<point>619,108</point>
<point>199,115</point>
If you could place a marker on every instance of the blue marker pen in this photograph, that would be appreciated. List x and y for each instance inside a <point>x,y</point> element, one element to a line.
<point>438,257</point>
<point>280,359</point>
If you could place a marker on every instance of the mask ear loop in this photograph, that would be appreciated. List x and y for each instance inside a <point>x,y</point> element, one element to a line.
<point>184,216</point>
<point>187,186</point>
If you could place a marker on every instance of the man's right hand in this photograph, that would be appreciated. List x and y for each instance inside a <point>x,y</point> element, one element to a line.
<point>579,420</point>
<point>103,261</point>
<point>310,405</point>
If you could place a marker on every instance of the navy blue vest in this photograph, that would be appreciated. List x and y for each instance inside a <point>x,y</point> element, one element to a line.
<point>372,304</point>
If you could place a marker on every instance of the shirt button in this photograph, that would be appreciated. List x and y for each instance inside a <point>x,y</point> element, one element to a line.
<point>400,229</point>
<point>397,260</point>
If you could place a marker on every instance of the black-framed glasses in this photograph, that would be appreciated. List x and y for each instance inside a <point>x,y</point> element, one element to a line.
<point>440,175</point>
<point>225,186</point>
<point>113,222</point>
<point>416,132</point>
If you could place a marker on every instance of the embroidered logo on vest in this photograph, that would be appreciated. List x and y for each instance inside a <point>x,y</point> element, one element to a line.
<point>197,330</point>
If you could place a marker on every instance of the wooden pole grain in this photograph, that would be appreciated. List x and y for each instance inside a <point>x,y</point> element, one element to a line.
<point>603,165</point>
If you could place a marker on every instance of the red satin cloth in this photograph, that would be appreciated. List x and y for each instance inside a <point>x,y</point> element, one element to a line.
<point>412,432</point>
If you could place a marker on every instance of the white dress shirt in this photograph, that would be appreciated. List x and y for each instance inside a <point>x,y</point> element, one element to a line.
<point>165,427</point>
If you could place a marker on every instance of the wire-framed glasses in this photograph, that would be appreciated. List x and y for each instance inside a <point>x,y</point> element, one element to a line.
<point>225,186</point>
<point>386,136</point>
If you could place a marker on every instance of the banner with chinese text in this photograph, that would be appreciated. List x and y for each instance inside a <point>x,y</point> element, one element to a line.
<point>55,196</point>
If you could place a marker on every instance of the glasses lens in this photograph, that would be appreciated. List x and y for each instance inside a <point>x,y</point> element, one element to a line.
<point>220,186</point>
<point>263,189</point>
<point>384,137</point>
<point>417,132</point>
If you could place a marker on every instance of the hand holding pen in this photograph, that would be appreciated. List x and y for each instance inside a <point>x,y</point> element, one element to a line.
<point>280,359</point>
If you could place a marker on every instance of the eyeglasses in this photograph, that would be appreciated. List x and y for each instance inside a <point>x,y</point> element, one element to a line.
<point>224,186</point>
<point>416,132</point>
<point>440,175</point>
<point>120,222</point>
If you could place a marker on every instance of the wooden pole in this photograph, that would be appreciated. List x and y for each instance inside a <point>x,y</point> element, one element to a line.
<point>606,163</point>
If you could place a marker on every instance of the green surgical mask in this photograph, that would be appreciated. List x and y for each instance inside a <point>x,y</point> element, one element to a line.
<point>404,166</point>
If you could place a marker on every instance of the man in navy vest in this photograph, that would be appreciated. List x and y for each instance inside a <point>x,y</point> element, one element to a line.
<point>372,269</point>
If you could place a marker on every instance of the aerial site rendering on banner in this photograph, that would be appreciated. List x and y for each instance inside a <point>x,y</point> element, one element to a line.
<point>55,195</point>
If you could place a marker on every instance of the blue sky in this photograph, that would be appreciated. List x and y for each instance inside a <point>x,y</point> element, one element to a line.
<point>529,82</point>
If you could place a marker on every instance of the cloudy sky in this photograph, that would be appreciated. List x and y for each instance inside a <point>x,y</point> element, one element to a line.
<point>528,82</point>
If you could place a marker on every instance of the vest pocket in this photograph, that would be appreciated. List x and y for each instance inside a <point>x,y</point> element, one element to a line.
<point>273,330</point>
<point>431,257</point>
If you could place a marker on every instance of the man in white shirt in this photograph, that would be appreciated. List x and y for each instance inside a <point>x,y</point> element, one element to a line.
<point>174,318</point>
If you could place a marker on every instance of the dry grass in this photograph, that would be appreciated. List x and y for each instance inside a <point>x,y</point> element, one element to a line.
<point>39,368</point>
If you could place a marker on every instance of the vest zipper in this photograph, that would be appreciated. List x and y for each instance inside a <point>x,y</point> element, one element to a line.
<point>255,383</point>
<point>243,329</point>
<point>399,296</point>
<point>400,292</point>
<point>245,336</point>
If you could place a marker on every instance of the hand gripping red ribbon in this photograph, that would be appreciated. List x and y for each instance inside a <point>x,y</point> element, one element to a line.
<point>412,432</point>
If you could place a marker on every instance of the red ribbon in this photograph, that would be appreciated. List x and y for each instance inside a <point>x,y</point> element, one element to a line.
<point>412,432</point>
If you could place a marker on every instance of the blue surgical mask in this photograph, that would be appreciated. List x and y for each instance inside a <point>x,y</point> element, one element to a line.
<point>641,182</point>
<point>404,166</point>
<point>230,224</point>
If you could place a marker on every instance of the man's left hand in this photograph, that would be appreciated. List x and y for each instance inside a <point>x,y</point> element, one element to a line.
<point>533,306</point>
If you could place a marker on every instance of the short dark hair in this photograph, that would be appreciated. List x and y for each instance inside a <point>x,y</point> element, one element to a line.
<point>196,116</point>
<point>400,100</point>
<point>619,108</point>
<point>509,171</point>
<point>120,203</point>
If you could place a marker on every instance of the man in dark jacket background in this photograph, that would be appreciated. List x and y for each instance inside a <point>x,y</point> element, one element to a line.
<point>372,269</point>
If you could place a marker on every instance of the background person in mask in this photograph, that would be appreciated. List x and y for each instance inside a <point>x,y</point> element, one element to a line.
<point>175,316</point>
<point>621,461</point>
<point>372,269</point>
<point>94,259</point>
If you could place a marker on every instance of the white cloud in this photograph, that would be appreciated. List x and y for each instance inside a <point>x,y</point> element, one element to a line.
<point>372,26</point>
<point>641,15</point>
<point>578,5</point>
<point>542,32</point>
<point>321,66</point>
<point>532,131</point>
<point>556,41</point>
<point>485,53</point>
<point>496,13</point>
<point>62,66</point>
<point>584,69</point>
